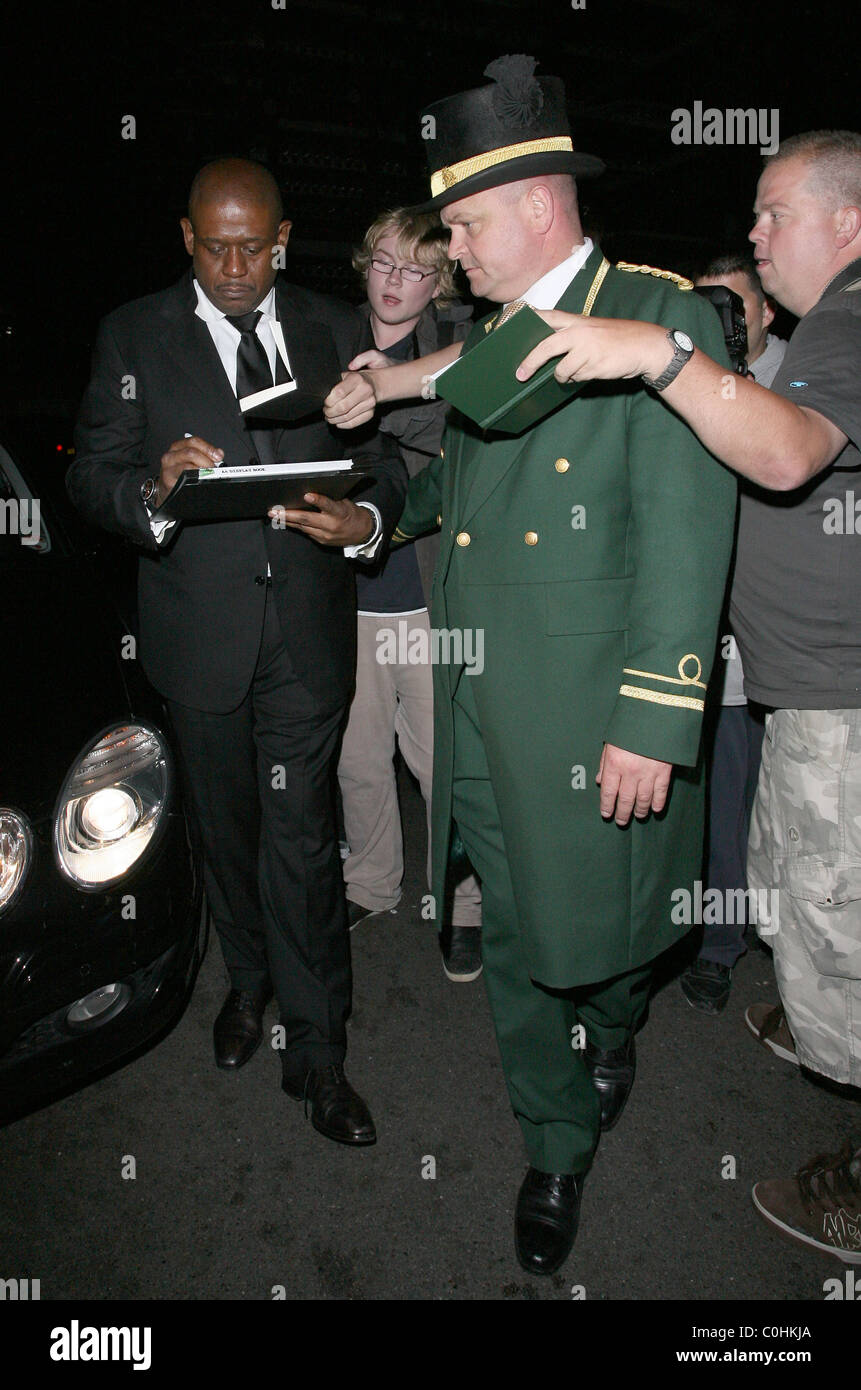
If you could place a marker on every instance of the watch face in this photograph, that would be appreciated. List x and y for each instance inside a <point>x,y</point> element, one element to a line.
<point>683,340</point>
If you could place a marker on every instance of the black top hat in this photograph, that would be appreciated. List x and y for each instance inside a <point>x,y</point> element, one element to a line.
<point>512,129</point>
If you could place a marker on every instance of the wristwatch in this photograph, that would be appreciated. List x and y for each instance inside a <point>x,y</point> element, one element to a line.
<point>683,351</point>
<point>149,493</point>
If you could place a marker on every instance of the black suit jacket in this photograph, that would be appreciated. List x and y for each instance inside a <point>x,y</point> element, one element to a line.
<point>157,376</point>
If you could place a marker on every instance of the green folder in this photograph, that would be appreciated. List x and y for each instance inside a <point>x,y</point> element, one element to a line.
<point>482,385</point>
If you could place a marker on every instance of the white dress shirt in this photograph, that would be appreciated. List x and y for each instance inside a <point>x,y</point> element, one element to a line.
<point>547,292</point>
<point>227,338</point>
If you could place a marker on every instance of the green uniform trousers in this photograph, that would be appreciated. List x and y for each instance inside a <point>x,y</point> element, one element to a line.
<point>537,1030</point>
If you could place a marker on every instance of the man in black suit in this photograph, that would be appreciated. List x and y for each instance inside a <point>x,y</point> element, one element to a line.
<point>247,628</point>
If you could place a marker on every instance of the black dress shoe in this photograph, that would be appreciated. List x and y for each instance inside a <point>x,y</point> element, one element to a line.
<point>238,1030</point>
<point>612,1073</point>
<point>548,1210</point>
<point>336,1109</point>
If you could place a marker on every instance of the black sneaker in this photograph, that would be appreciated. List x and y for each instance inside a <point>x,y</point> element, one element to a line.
<point>461,953</point>
<point>706,985</point>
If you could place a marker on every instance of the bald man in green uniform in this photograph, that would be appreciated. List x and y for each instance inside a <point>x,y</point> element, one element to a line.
<point>592,552</point>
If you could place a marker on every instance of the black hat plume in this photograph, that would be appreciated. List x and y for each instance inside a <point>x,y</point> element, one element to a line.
<point>517,97</point>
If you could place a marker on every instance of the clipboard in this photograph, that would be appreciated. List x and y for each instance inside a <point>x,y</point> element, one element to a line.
<point>248,491</point>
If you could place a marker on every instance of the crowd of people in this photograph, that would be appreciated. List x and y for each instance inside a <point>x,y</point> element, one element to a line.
<point>592,550</point>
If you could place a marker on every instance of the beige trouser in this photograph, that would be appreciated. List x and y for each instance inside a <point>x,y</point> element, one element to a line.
<point>392,700</point>
<point>804,861</point>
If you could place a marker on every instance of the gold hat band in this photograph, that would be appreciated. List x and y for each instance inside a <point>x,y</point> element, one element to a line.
<point>456,173</point>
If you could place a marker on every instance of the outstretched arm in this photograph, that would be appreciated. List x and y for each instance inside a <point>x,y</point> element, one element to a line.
<point>756,432</point>
<point>354,400</point>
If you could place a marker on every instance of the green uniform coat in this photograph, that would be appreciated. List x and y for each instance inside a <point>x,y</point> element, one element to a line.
<point>592,552</point>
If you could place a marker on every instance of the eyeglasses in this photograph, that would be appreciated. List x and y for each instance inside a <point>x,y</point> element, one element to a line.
<point>406,272</point>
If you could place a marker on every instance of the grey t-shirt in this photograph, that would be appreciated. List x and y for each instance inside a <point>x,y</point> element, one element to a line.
<point>795,604</point>
<point>763,371</point>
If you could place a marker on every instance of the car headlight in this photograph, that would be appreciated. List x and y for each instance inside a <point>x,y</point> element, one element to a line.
<point>111,805</point>
<point>16,854</point>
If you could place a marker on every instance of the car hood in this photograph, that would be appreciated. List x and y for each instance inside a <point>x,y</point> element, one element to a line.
<point>63,680</point>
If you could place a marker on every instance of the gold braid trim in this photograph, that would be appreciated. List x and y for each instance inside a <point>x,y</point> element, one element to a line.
<point>596,285</point>
<point>682,679</point>
<point>658,698</point>
<point>517,304</point>
<point>456,173</point>
<point>666,680</point>
<point>680,280</point>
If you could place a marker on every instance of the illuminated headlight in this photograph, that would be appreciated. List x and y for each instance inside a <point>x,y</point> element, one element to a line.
<point>16,854</point>
<point>111,805</point>
<point>109,814</point>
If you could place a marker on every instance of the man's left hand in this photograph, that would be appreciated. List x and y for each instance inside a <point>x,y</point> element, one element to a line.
<point>598,349</point>
<point>630,782</point>
<point>336,523</point>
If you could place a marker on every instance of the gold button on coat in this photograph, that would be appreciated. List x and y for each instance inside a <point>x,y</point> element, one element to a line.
<point>561,465</point>
<point>531,537</point>
<point>463,538</point>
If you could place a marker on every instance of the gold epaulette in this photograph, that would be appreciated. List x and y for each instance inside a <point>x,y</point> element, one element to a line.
<point>679,280</point>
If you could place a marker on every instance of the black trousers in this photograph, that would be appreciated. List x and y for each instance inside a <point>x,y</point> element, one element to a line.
<point>733,774</point>
<point>262,781</point>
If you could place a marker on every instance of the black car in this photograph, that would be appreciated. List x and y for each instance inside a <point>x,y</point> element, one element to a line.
<point>102,922</point>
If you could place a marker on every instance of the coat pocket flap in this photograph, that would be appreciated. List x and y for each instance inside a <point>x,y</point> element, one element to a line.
<point>589,605</point>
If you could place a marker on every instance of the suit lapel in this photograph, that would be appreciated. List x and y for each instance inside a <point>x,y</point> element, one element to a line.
<point>188,342</point>
<point>489,467</point>
<point>309,344</point>
<point>304,339</point>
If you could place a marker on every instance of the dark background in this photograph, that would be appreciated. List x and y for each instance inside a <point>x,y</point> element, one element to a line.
<point>327,92</point>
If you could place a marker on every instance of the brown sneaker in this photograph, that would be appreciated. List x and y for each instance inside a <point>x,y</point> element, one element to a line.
<point>768,1024</point>
<point>819,1207</point>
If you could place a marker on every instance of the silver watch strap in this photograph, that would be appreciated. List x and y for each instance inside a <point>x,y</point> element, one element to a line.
<point>679,358</point>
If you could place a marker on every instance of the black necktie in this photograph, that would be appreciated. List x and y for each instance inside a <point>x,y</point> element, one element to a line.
<point>253,372</point>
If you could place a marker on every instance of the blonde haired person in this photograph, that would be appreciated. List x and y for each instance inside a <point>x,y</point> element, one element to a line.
<point>411,310</point>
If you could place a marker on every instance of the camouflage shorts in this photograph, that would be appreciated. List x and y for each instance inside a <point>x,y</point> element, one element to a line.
<point>805,842</point>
